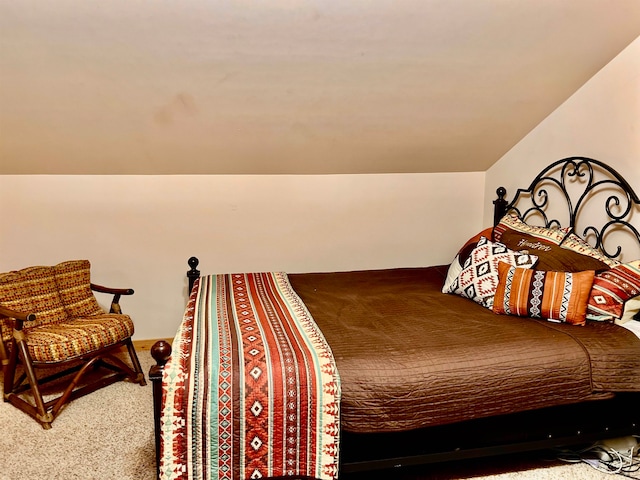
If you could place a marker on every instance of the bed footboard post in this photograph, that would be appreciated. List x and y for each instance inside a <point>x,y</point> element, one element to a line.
<point>160,351</point>
<point>194,273</point>
<point>499,205</point>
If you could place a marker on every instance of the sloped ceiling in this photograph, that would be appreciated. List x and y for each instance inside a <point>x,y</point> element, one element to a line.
<point>290,86</point>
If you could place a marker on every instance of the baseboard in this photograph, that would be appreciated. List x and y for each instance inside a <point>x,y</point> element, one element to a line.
<point>145,345</point>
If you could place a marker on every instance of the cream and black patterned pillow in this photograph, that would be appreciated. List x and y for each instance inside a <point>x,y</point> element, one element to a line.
<point>511,221</point>
<point>577,244</point>
<point>478,279</point>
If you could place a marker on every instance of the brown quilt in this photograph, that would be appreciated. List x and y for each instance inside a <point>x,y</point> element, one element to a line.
<point>410,356</point>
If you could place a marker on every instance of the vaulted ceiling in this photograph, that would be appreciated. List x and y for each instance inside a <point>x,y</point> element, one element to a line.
<point>290,86</point>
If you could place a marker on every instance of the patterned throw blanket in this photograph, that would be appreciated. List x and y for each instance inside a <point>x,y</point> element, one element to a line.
<point>251,389</point>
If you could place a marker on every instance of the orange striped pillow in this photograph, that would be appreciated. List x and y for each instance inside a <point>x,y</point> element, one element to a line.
<point>555,296</point>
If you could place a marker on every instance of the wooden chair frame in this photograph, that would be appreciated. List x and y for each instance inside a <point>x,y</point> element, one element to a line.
<point>20,386</point>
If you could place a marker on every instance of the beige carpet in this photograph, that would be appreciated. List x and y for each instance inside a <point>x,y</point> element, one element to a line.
<point>109,435</point>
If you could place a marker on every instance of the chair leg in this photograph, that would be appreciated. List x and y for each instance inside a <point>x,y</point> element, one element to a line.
<point>4,358</point>
<point>41,414</point>
<point>136,363</point>
<point>9,369</point>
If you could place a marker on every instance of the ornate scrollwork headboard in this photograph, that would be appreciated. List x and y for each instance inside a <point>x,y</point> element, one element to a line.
<point>587,195</point>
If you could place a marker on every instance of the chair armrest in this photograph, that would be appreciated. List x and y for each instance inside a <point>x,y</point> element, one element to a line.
<point>116,292</point>
<point>19,317</point>
<point>25,317</point>
<point>113,291</point>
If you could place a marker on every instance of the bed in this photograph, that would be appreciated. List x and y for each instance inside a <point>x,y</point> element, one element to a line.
<point>529,339</point>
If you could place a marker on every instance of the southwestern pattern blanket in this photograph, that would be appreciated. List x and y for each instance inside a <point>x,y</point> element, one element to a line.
<point>252,389</point>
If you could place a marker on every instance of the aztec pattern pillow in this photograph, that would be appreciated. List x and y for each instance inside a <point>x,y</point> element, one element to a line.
<point>456,265</point>
<point>575,243</point>
<point>479,276</point>
<point>611,289</point>
<point>550,255</point>
<point>511,221</point>
<point>555,296</point>
<point>73,279</point>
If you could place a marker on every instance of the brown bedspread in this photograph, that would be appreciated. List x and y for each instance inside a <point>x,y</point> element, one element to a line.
<point>410,356</point>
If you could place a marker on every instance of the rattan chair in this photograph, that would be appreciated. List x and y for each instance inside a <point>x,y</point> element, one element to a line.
<point>57,343</point>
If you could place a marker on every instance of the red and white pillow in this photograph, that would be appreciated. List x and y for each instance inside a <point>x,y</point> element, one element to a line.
<point>615,295</point>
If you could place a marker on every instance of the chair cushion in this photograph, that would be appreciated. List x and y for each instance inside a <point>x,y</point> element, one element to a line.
<point>75,337</point>
<point>74,284</point>
<point>32,290</point>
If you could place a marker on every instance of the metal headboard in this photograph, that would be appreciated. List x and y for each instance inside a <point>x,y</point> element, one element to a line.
<point>571,182</point>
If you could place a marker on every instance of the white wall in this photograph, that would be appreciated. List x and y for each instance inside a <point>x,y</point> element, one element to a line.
<point>601,120</point>
<point>139,231</point>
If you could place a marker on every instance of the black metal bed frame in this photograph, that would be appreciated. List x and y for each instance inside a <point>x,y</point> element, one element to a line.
<point>589,178</point>
<point>552,427</point>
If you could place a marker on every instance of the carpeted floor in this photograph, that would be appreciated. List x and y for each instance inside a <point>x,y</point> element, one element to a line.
<point>108,435</point>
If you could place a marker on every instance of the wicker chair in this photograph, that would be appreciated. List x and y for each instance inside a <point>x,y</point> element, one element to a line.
<point>56,342</point>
